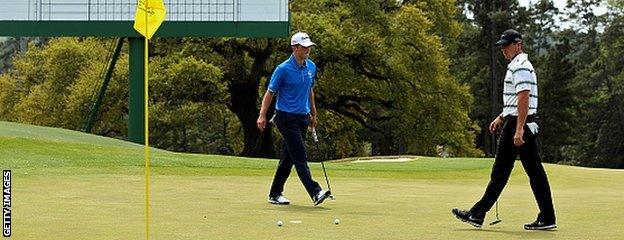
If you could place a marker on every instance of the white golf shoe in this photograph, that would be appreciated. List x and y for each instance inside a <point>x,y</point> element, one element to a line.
<point>281,200</point>
<point>321,196</point>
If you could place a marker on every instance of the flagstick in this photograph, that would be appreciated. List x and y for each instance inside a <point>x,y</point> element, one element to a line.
<point>146,113</point>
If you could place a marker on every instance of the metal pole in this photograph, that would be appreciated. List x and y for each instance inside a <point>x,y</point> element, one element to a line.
<point>96,106</point>
<point>136,91</point>
<point>40,7</point>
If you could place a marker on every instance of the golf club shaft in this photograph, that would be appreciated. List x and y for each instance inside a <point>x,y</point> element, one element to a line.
<point>498,220</point>
<point>497,210</point>
<point>495,141</point>
<point>326,179</point>
<point>318,150</point>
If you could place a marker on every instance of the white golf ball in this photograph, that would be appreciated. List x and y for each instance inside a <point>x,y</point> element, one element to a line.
<point>280,223</point>
<point>336,221</point>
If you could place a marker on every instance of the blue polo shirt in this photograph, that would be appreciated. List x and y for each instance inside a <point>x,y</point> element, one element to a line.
<point>292,84</point>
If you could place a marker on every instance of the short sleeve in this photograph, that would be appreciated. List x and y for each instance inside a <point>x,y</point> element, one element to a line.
<point>276,79</point>
<point>523,79</point>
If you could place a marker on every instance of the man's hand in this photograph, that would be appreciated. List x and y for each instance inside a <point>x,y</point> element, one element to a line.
<point>266,100</point>
<point>313,121</point>
<point>518,141</point>
<point>494,125</point>
<point>261,122</point>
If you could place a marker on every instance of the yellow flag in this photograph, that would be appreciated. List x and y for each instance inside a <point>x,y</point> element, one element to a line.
<point>147,25</point>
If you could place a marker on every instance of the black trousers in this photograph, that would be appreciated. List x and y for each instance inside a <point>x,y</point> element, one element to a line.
<point>506,154</point>
<point>293,128</point>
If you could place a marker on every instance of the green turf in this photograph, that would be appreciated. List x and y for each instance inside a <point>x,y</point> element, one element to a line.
<point>70,185</point>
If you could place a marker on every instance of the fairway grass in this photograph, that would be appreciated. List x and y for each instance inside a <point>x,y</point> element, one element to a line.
<point>71,185</point>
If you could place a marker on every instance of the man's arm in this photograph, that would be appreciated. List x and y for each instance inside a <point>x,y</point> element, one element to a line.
<point>274,86</point>
<point>266,100</point>
<point>523,110</point>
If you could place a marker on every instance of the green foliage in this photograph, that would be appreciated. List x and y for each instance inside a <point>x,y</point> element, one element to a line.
<point>187,111</point>
<point>387,70</point>
<point>194,127</point>
<point>7,49</point>
<point>244,64</point>
<point>479,64</point>
<point>616,4</point>
<point>395,77</point>
<point>338,138</point>
<point>557,101</point>
<point>45,82</point>
<point>11,46</point>
<point>8,96</point>
<point>602,141</point>
<point>55,86</point>
<point>178,79</point>
<point>578,66</point>
<point>383,77</point>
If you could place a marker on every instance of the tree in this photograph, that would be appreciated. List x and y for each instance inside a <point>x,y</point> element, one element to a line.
<point>396,53</point>
<point>604,130</point>
<point>543,23</point>
<point>480,63</point>
<point>43,79</point>
<point>558,100</point>
<point>387,69</point>
<point>9,46</point>
<point>54,86</point>
<point>245,63</point>
<point>187,100</point>
<point>384,83</point>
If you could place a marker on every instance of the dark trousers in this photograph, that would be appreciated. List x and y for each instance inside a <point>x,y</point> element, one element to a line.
<point>506,154</point>
<point>293,128</point>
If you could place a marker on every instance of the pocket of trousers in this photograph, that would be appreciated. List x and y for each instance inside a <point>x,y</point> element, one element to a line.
<point>533,127</point>
<point>280,118</point>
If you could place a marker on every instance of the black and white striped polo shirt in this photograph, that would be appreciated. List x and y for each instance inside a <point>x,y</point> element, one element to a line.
<point>520,77</point>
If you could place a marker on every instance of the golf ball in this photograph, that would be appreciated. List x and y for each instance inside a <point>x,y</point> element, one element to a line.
<point>336,221</point>
<point>280,223</point>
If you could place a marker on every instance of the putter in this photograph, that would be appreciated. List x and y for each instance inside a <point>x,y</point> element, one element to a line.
<point>318,150</point>
<point>498,220</point>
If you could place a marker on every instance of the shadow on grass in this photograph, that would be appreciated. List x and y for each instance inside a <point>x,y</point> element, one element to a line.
<point>299,208</point>
<point>522,233</point>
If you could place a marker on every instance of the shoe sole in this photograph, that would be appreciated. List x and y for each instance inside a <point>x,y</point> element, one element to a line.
<point>325,196</point>
<point>466,221</point>
<point>279,203</point>
<point>547,227</point>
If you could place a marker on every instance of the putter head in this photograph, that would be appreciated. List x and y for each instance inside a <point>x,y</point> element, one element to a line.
<point>314,136</point>
<point>497,221</point>
<point>332,197</point>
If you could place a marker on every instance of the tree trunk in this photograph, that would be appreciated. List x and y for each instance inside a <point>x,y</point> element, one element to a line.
<point>244,95</point>
<point>490,141</point>
<point>243,104</point>
<point>384,146</point>
<point>184,143</point>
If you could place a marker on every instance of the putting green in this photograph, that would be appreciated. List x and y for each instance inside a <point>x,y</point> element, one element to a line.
<point>70,185</point>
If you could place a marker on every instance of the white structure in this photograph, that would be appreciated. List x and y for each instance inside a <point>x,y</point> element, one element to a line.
<point>123,10</point>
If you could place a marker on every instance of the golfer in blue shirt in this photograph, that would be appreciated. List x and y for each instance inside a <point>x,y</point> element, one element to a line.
<point>293,82</point>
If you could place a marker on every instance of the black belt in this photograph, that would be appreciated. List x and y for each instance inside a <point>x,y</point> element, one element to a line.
<point>530,118</point>
<point>294,114</point>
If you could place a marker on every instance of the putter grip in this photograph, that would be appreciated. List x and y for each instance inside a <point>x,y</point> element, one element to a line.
<point>314,136</point>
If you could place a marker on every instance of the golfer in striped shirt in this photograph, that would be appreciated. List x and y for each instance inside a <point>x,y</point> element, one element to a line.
<point>520,126</point>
